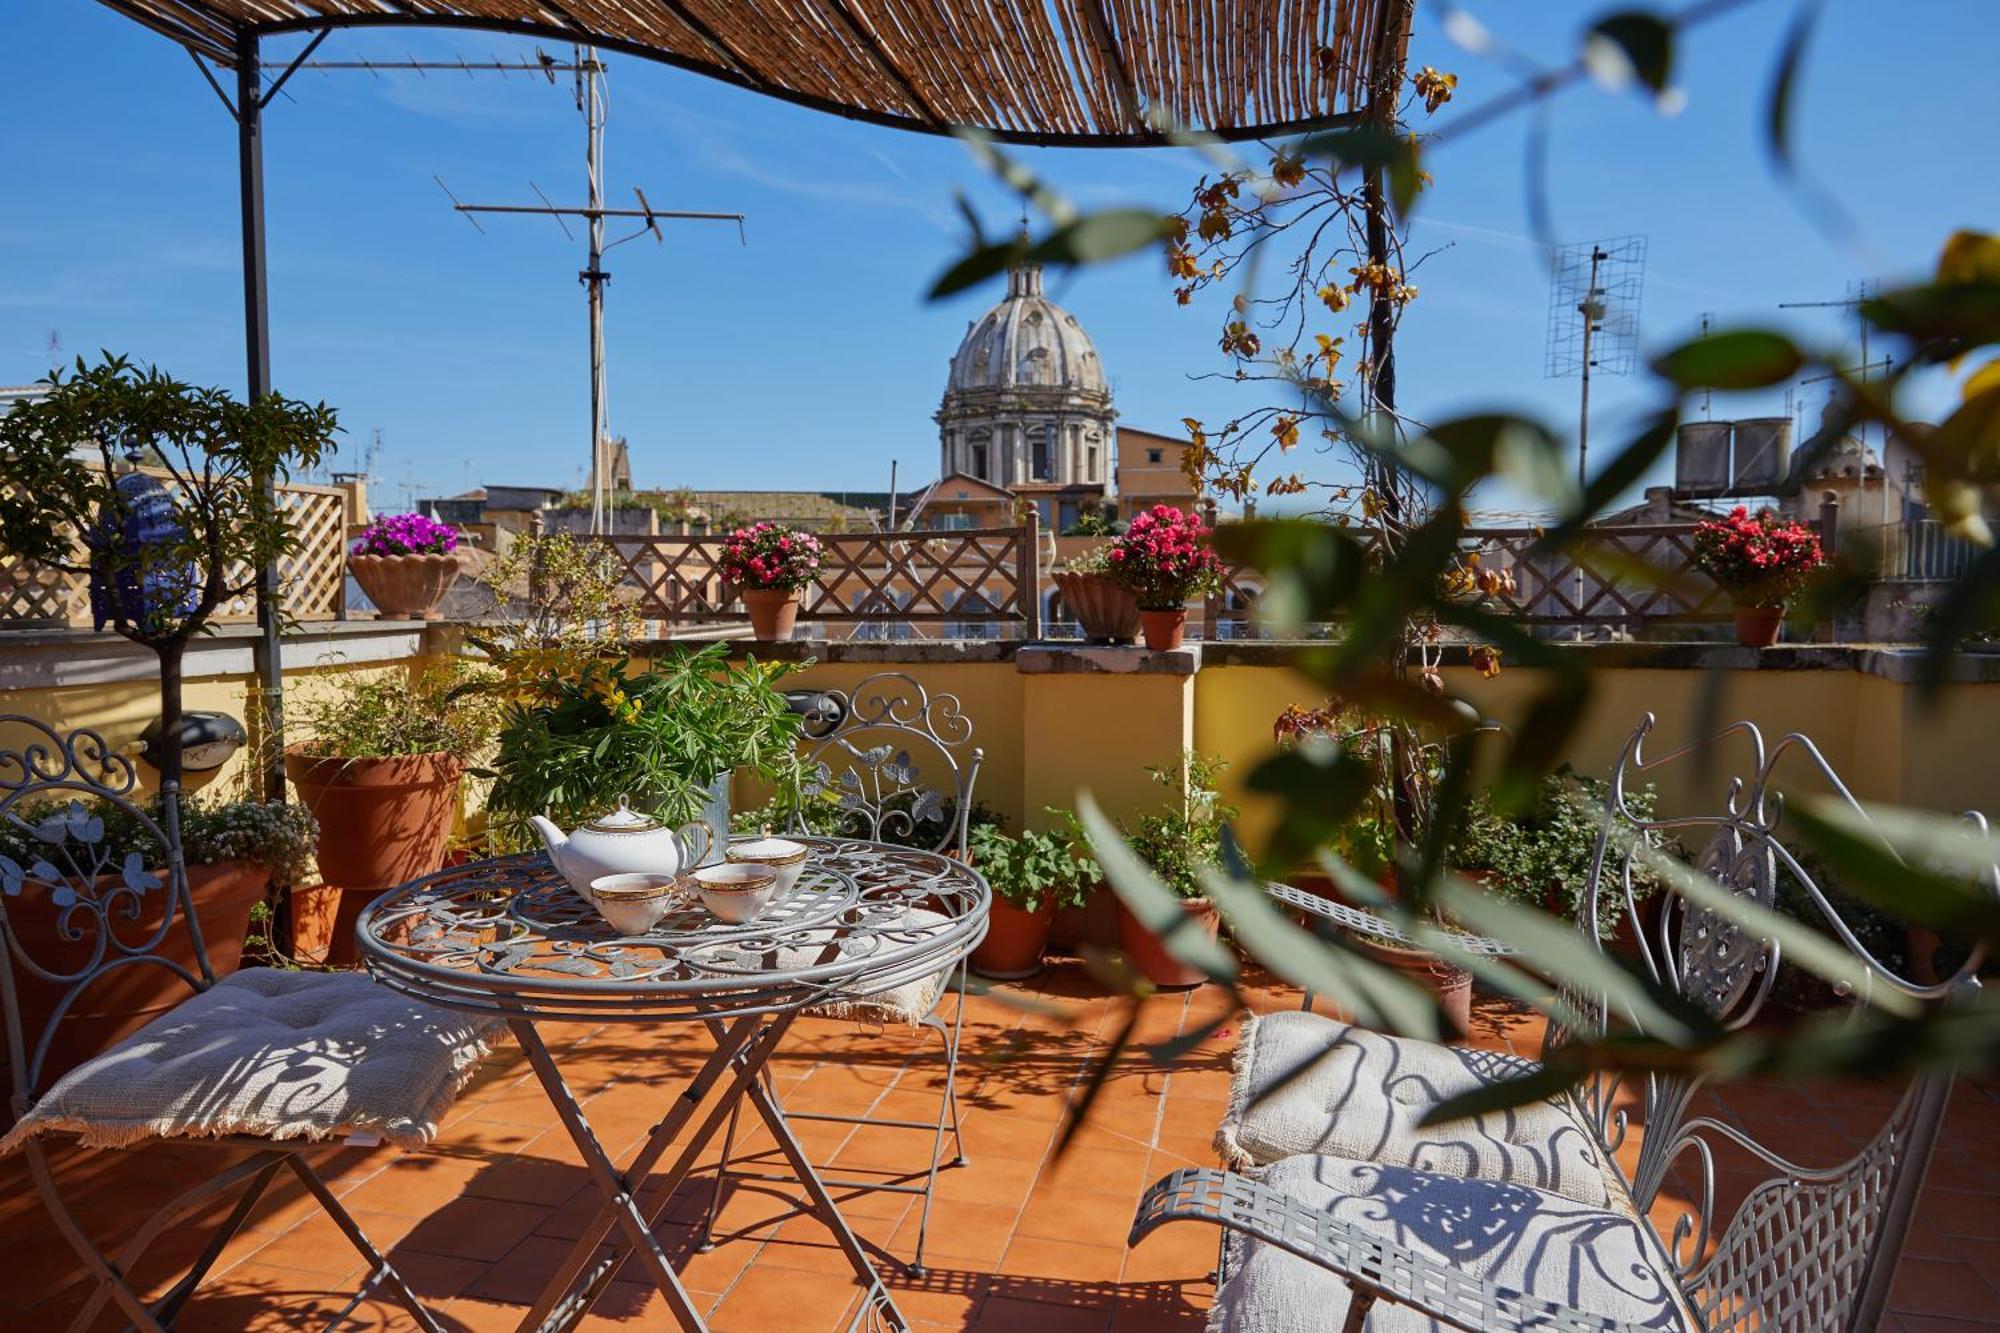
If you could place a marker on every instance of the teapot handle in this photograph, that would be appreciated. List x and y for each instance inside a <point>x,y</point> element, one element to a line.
<point>707,839</point>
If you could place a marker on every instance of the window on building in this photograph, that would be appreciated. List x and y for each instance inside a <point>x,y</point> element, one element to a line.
<point>979,461</point>
<point>1066,516</point>
<point>1090,464</point>
<point>1154,455</point>
<point>1038,462</point>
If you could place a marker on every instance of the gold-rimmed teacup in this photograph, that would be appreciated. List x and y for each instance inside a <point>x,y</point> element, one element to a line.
<point>734,893</point>
<point>633,903</point>
<point>782,856</point>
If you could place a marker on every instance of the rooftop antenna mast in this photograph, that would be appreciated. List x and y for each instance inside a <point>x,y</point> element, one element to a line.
<point>1594,291</point>
<point>588,69</point>
<point>1858,294</point>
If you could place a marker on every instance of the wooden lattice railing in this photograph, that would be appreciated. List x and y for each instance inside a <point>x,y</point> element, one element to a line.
<point>313,579</point>
<point>1618,575</point>
<point>980,576</point>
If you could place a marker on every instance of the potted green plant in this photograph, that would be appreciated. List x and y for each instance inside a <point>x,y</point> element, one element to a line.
<point>1762,562</point>
<point>1185,833</point>
<point>406,563</point>
<point>238,853</point>
<point>1104,608</point>
<point>1559,842</point>
<point>1164,558</point>
<point>578,731</point>
<point>381,767</point>
<point>769,565</point>
<point>1031,875</point>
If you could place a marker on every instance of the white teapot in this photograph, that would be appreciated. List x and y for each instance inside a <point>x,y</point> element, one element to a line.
<point>623,842</point>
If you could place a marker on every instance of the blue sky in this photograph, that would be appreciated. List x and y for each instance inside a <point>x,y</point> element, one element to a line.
<point>809,357</point>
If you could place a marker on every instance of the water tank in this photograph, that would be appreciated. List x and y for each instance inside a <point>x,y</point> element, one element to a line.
<point>1701,456</point>
<point>1763,451</point>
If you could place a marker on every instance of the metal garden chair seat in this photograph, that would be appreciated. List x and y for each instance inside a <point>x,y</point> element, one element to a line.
<point>888,762</point>
<point>1525,1218</point>
<point>265,1065</point>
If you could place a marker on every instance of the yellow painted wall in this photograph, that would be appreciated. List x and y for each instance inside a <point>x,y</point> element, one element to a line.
<point>1101,733</point>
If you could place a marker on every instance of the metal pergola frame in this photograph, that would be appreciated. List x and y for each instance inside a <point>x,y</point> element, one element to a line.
<point>206,28</point>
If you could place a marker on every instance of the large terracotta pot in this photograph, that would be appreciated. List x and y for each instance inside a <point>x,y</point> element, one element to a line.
<point>1093,925</point>
<point>109,1010</point>
<point>405,587</point>
<point>774,612</point>
<point>1164,629</point>
<point>382,822</point>
<point>1015,938</point>
<point>1148,951</point>
<point>1102,608</point>
<point>1758,626</point>
<point>1452,985</point>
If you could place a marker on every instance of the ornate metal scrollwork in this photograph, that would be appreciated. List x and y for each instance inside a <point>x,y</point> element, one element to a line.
<point>868,764</point>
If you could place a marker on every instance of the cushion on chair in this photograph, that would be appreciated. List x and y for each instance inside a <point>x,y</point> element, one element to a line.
<point>1522,1240</point>
<point>1307,1084</point>
<point>273,1054</point>
<point>910,1003</point>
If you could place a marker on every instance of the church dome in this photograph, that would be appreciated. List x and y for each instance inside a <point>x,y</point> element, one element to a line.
<point>1026,341</point>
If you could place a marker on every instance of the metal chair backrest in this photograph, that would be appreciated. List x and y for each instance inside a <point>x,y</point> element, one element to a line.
<point>891,762</point>
<point>1809,1249</point>
<point>77,914</point>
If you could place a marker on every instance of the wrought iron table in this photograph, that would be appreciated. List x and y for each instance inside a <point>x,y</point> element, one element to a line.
<point>510,938</point>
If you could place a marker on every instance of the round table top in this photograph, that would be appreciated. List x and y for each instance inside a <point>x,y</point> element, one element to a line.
<point>511,936</point>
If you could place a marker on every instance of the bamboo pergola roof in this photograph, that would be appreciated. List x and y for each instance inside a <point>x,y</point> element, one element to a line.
<point>1085,73</point>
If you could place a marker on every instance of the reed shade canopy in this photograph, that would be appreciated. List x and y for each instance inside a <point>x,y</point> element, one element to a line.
<point>1080,73</point>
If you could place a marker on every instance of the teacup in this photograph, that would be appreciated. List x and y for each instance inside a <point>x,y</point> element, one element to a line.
<point>633,903</point>
<point>781,855</point>
<point>735,893</point>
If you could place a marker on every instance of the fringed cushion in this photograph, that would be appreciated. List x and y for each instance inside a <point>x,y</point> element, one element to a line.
<point>271,1054</point>
<point>908,1003</point>
<point>1306,1084</point>
<point>1523,1240</point>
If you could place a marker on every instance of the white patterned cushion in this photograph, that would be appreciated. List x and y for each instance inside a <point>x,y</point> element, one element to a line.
<point>910,1003</point>
<point>1309,1084</point>
<point>272,1054</point>
<point>1521,1240</point>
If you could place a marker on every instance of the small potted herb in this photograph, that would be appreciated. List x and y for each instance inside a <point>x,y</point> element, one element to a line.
<point>406,563</point>
<point>769,565</point>
<point>1031,876</point>
<point>381,769</point>
<point>1164,558</point>
<point>1762,562</point>
<point>1104,608</point>
<point>1184,834</point>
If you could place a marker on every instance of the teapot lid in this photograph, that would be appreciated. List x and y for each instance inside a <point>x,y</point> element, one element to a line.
<point>624,820</point>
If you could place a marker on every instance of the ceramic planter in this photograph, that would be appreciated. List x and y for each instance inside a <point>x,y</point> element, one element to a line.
<point>1148,952</point>
<point>382,822</point>
<point>774,612</point>
<point>1758,626</point>
<point>1164,629</point>
<point>1103,609</point>
<point>1451,985</point>
<point>107,1011</point>
<point>1015,939</point>
<point>405,587</point>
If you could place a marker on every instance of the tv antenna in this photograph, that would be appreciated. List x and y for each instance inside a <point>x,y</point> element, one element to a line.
<point>1594,291</point>
<point>589,74</point>
<point>1858,294</point>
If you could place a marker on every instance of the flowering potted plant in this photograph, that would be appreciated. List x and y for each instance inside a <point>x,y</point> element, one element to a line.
<point>769,564</point>
<point>1164,559</point>
<point>1106,610</point>
<point>1761,562</point>
<point>406,563</point>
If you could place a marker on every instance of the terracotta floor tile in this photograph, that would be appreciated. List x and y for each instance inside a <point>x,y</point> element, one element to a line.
<point>961,1234</point>
<point>782,1299</point>
<point>1953,1290</point>
<point>1068,1272</point>
<point>468,1228</point>
<point>1058,1212</point>
<point>1013,1314</point>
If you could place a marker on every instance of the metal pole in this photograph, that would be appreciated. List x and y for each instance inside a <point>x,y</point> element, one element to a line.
<point>593,276</point>
<point>257,358</point>
<point>892,497</point>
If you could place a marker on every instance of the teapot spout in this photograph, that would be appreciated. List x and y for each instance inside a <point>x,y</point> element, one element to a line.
<point>552,837</point>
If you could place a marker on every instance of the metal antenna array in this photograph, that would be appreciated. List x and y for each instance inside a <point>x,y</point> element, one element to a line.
<point>1594,291</point>
<point>589,72</point>
<point>1858,293</point>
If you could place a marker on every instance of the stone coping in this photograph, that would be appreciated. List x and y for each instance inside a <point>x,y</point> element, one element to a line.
<point>46,658</point>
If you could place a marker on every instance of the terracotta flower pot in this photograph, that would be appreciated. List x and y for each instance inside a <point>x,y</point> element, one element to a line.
<point>1149,953</point>
<point>1758,626</point>
<point>382,822</point>
<point>1452,985</point>
<point>1164,629</point>
<point>1015,938</point>
<point>405,587</point>
<point>774,612</point>
<point>109,1010</point>
<point>1102,608</point>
